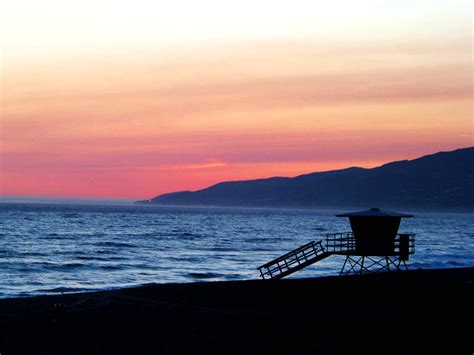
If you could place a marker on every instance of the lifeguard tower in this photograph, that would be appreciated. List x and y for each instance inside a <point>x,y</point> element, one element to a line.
<point>373,245</point>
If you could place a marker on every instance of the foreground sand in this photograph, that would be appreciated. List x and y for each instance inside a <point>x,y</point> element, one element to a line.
<point>414,312</point>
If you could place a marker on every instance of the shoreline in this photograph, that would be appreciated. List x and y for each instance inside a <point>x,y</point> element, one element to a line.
<point>409,312</point>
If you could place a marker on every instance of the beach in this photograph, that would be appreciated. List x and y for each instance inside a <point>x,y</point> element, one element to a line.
<point>410,312</point>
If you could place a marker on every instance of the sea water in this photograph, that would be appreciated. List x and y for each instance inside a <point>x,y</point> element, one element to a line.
<point>53,248</point>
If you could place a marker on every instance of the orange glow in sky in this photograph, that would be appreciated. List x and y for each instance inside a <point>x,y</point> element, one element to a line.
<point>147,98</point>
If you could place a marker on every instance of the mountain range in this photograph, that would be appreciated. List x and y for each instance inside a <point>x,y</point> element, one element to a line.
<point>441,181</point>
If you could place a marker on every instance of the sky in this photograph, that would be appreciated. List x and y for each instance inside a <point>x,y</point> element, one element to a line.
<point>131,99</point>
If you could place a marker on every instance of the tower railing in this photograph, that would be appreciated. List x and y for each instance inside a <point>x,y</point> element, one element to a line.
<point>339,243</point>
<point>404,245</point>
<point>345,243</point>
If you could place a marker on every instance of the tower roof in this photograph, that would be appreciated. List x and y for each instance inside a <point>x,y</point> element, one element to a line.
<point>374,212</point>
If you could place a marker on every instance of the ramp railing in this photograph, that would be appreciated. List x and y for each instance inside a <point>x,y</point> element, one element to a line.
<point>293,261</point>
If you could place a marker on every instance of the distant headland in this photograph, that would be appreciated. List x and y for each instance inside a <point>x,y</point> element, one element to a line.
<point>441,181</point>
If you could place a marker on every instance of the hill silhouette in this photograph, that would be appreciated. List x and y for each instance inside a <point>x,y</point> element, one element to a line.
<point>441,181</point>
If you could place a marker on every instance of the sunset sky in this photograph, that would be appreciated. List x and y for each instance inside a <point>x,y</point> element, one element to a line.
<point>130,99</point>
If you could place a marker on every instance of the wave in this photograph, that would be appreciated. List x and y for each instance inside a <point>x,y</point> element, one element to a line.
<point>63,290</point>
<point>186,259</point>
<point>69,215</point>
<point>320,229</point>
<point>56,265</point>
<point>204,275</point>
<point>456,263</point>
<point>115,244</point>
<point>111,267</point>
<point>99,258</point>
<point>187,235</point>
<point>56,236</point>
<point>224,249</point>
<point>6,254</point>
<point>437,264</point>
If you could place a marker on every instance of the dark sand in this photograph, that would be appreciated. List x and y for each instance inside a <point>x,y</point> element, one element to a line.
<point>414,312</point>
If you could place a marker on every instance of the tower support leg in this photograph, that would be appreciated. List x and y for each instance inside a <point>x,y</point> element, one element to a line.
<point>364,264</point>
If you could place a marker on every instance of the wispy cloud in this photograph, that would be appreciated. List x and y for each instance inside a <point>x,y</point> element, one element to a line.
<point>210,163</point>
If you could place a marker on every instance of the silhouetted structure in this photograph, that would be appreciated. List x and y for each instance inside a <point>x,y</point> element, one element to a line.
<point>373,245</point>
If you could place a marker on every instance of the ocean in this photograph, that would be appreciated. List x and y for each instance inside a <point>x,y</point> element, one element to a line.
<point>61,248</point>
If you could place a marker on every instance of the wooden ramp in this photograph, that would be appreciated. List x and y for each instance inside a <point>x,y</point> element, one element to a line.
<point>293,261</point>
